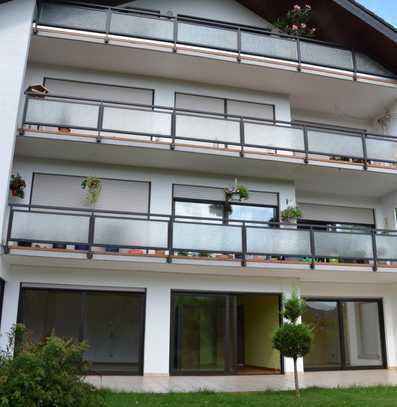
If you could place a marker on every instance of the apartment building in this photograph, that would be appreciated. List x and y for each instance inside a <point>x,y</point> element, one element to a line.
<point>163,108</point>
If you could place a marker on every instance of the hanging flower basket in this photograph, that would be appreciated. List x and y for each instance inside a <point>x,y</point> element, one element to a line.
<point>291,214</point>
<point>237,193</point>
<point>93,188</point>
<point>17,186</point>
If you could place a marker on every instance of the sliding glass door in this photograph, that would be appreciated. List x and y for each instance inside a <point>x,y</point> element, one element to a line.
<point>112,323</point>
<point>218,333</point>
<point>347,334</point>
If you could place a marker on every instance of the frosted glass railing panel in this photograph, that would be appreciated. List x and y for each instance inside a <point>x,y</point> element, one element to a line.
<point>218,238</point>
<point>386,246</point>
<point>205,36</point>
<point>267,45</point>
<point>367,65</point>
<point>50,227</point>
<point>139,121</point>
<point>65,15</point>
<point>140,26</point>
<point>273,136</point>
<point>334,143</point>
<point>328,56</point>
<point>208,129</point>
<point>278,241</point>
<point>51,112</point>
<point>131,232</point>
<point>343,245</point>
<point>381,149</point>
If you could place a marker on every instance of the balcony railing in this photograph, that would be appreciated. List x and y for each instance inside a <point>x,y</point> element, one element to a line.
<point>90,231</point>
<point>187,30</point>
<point>172,127</point>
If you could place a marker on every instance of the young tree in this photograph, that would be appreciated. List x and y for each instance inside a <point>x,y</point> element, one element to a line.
<point>293,338</point>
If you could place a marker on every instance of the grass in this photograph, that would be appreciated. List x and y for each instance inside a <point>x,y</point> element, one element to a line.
<point>381,396</point>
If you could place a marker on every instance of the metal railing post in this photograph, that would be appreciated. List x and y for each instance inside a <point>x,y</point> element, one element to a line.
<point>9,229</point>
<point>173,129</point>
<point>239,44</point>
<point>100,122</point>
<point>242,137</point>
<point>244,245</point>
<point>107,24</point>
<point>91,232</point>
<point>175,33</point>
<point>306,144</point>
<point>354,59</point>
<point>36,17</point>
<point>374,251</point>
<point>299,53</point>
<point>312,249</point>
<point>170,240</point>
<point>24,113</point>
<point>365,154</point>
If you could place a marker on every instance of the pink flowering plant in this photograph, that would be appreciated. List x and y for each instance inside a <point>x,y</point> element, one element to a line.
<point>296,22</point>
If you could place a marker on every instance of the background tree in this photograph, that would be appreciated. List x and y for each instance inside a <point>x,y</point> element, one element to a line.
<point>293,338</point>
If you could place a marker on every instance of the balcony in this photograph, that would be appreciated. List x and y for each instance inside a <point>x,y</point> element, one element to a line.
<point>57,118</point>
<point>207,38</point>
<point>88,235</point>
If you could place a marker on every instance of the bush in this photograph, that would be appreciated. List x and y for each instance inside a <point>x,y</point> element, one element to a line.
<point>45,374</point>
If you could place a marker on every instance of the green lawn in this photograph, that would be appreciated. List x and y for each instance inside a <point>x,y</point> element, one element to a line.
<point>360,397</point>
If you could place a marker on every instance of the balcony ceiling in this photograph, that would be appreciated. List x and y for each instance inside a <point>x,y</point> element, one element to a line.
<point>306,91</point>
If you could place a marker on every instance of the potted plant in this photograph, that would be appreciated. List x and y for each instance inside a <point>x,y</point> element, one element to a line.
<point>291,214</point>
<point>17,186</point>
<point>238,192</point>
<point>93,188</point>
<point>295,22</point>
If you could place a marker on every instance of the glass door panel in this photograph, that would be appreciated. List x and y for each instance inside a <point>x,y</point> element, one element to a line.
<point>326,348</point>
<point>362,339</point>
<point>199,335</point>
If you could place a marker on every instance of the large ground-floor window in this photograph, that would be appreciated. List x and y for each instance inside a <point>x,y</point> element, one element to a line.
<point>220,333</point>
<point>112,323</point>
<point>348,334</point>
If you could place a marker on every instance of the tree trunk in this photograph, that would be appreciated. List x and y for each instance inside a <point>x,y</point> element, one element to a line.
<point>297,392</point>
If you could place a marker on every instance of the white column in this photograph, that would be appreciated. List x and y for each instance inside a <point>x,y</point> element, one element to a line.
<point>15,33</point>
<point>10,309</point>
<point>157,330</point>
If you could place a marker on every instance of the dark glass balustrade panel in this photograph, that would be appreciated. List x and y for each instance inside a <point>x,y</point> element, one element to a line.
<point>381,149</point>
<point>334,143</point>
<point>62,113</point>
<point>269,46</point>
<point>68,16</point>
<point>50,227</point>
<point>141,26</point>
<point>217,238</point>
<point>343,245</point>
<point>207,36</point>
<point>320,54</point>
<point>278,241</point>
<point>366,64</point>
<point>131,232</point>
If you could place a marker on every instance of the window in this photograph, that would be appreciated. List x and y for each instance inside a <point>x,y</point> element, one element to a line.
<point>224,106</point>
<point>347,334</point>
<point>111,322</point>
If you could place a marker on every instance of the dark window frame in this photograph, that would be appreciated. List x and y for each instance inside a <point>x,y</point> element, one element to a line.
<point>2,289</point>
<point>225,101</point>
<point>340,301</point>
<point>83,320</point>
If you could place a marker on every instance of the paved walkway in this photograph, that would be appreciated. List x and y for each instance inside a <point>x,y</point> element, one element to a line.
<point>161,384</point>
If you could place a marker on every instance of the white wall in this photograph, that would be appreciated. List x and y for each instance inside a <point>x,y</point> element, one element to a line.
<point>222,10</point>
<point>15,31</point>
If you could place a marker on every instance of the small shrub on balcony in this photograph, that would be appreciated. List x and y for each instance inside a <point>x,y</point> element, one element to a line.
<point>46,374</point>
<point>296,22</point>
<point>17,186</point>
<point>93,188</point>
<point>291,213</point>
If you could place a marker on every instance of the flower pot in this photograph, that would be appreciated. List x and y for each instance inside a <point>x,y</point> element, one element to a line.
<point>112,249</point>
<point>59,246</point>
<point>82,247</point>
<point>24,243</point>
<point>14,192</point>
<point>136,252</point>
<point>64,129</point>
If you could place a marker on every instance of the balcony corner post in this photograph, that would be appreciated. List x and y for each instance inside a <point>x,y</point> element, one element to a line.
<point>175,48</point>
<point>239,44</point>
<point>173,130</point>
<point>374,251</point>
<point>365,154</point>
<point>312,250</point>
<point>170,241</point>
<point>306,145</point>
<point>242,137</point>
<point>91,232</point>
<point>107,24</point>
<point>244,245</point>
<point>299,54</point>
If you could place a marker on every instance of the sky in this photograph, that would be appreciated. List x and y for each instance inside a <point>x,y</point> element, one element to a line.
<point>387,9</point>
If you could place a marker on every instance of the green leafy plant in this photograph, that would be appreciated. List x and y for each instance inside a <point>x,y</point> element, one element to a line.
<point>296,21</point>
<point>17,186</point>
<point>46,374</point>
<point>93,187</point>
<point>293,339</point>
<point>292,212</point>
